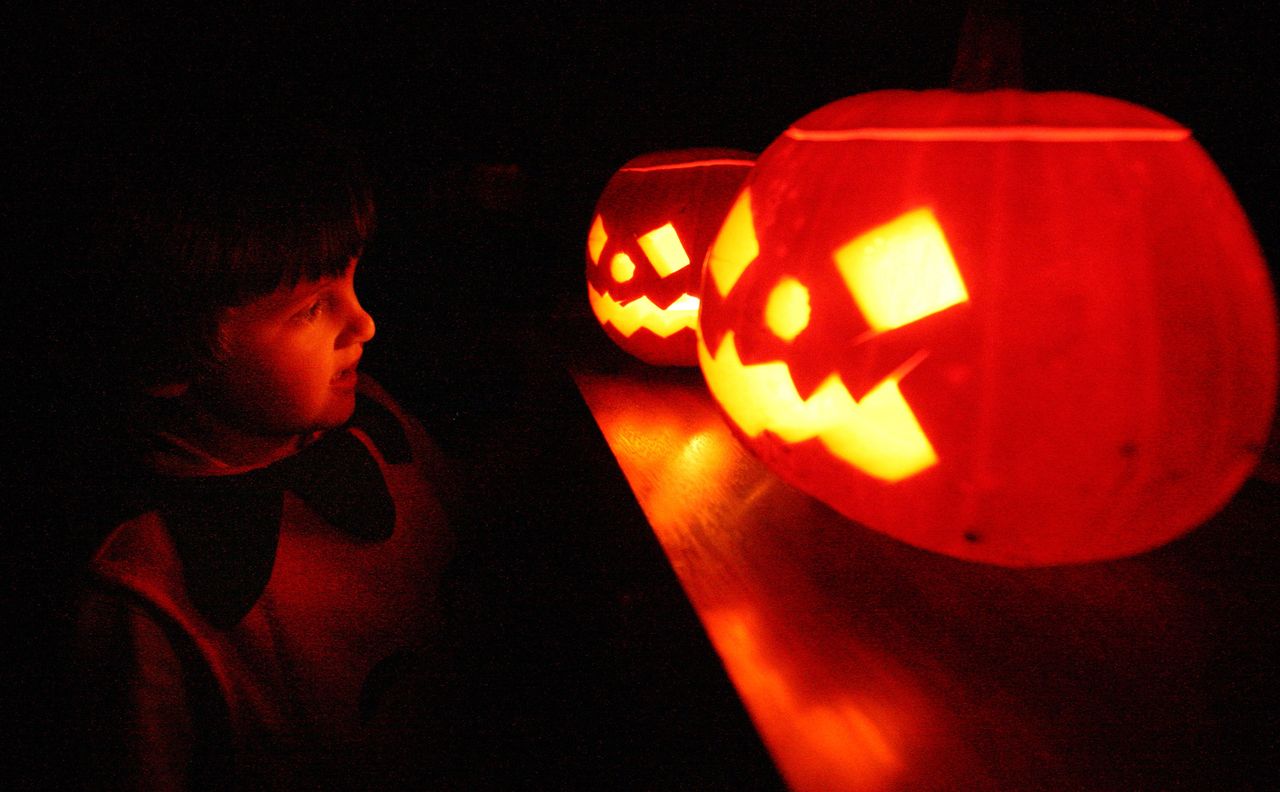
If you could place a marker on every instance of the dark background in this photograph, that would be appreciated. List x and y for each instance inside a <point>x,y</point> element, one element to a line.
<point>542,102</point>
<point>491,129</point>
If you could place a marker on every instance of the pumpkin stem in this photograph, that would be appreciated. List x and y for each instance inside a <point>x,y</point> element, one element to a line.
<point>990,52</point>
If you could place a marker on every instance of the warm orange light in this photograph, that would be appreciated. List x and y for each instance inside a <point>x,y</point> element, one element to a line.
<point>622,268</point>
<point>631,316</point>
<point>902,271</point>
<point>735,247</point>
<point>879,435</point>
<point>596,239</point>
<point>702,464</point>
<point>787,311</point>
<point>1091,394</point>
<point>822,744</point>
<point>664,249</point>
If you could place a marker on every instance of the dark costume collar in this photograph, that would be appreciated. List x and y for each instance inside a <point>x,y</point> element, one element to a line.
<point>226,528</point>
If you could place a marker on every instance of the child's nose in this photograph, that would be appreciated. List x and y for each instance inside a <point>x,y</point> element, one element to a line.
<point>360,327</point>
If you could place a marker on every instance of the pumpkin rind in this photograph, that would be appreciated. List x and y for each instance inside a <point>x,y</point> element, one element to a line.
<point>1106,382</point>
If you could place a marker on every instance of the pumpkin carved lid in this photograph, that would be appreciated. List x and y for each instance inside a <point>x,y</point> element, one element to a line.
<point>688,158</point>
<point>1047,115</point>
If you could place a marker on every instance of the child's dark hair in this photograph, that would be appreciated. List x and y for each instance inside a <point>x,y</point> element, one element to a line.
<point>200,219</point>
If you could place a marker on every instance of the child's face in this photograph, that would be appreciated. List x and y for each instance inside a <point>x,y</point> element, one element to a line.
<point>288,359</point>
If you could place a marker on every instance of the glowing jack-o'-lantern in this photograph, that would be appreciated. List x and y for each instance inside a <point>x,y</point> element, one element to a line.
<point>1011,327</point>
<point>651,230</point>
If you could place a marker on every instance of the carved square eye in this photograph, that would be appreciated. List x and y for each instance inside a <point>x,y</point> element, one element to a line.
<point>902,271</point>
<point>664,249</point>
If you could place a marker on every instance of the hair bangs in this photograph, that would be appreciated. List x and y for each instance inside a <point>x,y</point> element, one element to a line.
<point>303,237</point>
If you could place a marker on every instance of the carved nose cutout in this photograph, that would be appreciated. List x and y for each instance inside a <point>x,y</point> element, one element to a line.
<point>622,268</point>
<point>787,311</point>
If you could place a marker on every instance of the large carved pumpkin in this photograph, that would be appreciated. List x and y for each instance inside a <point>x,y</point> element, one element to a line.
<point>1012,327</point>
<point>652,227</point>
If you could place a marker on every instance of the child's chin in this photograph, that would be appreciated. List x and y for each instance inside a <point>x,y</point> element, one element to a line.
<point>338,410</point>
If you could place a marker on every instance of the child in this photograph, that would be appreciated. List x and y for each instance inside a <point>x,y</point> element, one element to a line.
<point>265,614</point>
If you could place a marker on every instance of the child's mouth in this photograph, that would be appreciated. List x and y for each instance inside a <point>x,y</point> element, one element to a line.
<point>346,377</point>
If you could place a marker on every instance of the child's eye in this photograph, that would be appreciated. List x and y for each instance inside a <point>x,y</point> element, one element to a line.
<point>314,310</point>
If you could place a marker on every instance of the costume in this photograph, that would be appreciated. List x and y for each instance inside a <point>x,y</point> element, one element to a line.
<point>268,629</point>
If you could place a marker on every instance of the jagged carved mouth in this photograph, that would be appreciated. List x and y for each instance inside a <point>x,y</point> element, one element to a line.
<point>630,316</point>
<point>879,435</point>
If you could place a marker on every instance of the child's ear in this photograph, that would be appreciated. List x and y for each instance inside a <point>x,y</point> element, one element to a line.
<point>167,390</point>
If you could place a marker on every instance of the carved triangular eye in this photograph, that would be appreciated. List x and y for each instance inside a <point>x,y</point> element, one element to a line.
<point>902,271</point>
<point>596,240</point>
<point>665,250</point>
<point>736,246</point>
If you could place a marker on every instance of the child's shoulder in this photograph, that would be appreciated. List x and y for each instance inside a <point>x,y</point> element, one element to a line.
<point>137,557</point>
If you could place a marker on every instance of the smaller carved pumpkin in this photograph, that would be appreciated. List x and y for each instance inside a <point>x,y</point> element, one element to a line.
<point>652,227</point>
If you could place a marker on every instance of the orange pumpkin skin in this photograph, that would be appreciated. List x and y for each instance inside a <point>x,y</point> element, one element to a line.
<point>1082,366</point>
<point>651,229</point>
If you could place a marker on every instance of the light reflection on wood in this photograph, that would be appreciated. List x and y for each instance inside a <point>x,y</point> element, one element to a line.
<point>715,509</point>
<point>822,741</point>
<point>867,664</point>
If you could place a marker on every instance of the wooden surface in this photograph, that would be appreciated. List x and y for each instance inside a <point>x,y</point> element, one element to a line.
<point>867,664</point>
